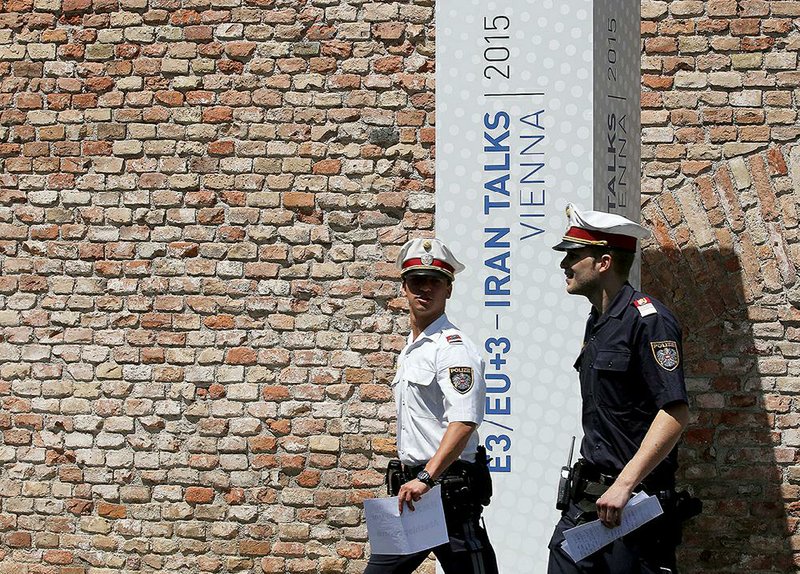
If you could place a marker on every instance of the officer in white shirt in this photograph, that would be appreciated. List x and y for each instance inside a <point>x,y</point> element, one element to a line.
<point>440,393</point>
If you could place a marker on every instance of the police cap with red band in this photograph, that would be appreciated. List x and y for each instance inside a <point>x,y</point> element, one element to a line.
<point>596,228</point>
<point>428,257</point>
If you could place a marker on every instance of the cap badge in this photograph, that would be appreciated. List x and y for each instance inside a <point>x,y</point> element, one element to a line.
<point>426,245</point>
<point>426,258</point>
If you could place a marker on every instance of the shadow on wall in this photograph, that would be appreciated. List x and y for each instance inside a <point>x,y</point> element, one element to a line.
<point>731,456</point>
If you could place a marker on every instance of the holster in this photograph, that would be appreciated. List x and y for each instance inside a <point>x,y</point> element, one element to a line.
<point>687,506</point>
<point>395,477</point>
<point>589,484</point>
<point>483,477</point>
<point>464,485</point>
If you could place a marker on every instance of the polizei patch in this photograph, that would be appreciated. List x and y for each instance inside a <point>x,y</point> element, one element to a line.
<point>666,354</point>
<point>462,379</point>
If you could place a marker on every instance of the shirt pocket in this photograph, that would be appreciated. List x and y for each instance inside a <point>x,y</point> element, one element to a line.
<point>612,380</point>
<point>423,399</point>
<point>615,361</point>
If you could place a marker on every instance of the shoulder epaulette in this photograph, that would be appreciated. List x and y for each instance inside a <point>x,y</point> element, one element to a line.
<point>645,306</point>
<point>454,339</point>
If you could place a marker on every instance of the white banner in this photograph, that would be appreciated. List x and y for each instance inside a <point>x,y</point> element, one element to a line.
<point>520,132</point>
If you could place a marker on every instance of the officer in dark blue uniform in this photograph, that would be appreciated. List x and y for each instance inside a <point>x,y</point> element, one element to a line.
<point>634,401</point>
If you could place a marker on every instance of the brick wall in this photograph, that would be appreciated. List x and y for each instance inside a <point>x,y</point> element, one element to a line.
<point>199,206</point>
<point>721,161</point>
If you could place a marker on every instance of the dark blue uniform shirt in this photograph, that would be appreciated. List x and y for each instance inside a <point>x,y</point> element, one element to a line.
<point>630,367</point>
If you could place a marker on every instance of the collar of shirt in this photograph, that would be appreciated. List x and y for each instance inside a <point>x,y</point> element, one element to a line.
<point>430,331</point>
<point>618,305</point>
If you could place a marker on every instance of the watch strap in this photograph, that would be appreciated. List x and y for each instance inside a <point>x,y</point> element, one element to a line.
<point>424,477</point>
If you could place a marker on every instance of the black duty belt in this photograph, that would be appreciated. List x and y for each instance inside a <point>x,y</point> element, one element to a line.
<point>468,480</point>
<point>587,471</point>
<point>589,482</point>
<point>583,469</point>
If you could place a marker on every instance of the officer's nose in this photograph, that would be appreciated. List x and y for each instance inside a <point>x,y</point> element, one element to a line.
<point>563,263</point>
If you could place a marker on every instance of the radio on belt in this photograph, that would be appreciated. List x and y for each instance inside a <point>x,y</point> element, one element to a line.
<point>565,481</point>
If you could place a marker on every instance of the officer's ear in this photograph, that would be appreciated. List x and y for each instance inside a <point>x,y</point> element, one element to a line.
<point>605,262</point>
<point>449,288</point>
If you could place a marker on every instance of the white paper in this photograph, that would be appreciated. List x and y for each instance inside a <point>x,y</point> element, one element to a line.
<point>393,533</point>
<point>583,540</point>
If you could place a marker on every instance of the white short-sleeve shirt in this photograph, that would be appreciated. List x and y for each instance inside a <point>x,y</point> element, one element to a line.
<point>439,380</point>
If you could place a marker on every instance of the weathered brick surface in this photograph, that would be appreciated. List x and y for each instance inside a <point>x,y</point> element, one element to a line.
<point>721,160</point>
<point>199,206</point>
<point>193,197</point>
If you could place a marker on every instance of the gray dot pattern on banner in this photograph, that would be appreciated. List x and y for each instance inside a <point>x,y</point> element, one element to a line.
<point>551,51</point>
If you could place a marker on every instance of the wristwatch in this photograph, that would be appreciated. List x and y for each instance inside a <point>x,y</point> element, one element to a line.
<point>425,478</point>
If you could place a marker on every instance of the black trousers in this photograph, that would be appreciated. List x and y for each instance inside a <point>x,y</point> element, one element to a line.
<point>468,552</point>
<point>649,549</point>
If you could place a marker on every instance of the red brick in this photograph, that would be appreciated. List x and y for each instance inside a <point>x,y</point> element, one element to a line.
<point>321,32</point>
<point>79,506</point>
<point>61,181</point>
<point>18,539</point>
<point>410,117</point>
<point>97,148</point>
<point>235,496</point>
<point>241,356</point>
<point>663,45</point>
<point>693,168</point>
<point>169,98</point>
<point>776,162</point>
<point>84,101</point>
<point>254,547</point>
<point>68,6</point>
<point>218,114</point>
<point>199,495</point>
<point>745,27</point>
<point>240,50</point>
<point>298,199</point>
<point>327,167</point>
<point>766,196</point>
<point>100,84</point>
<point>156,321</point>
<point>61,557</point>
<point>184,17</point>
<point>219,322</point>
<point>221,148</point>
<point>273,565</point>
<point>198,33</point>
<point>265,443</point>
<point>657,82</point>
<point>388,30</point>
<point>388,65</point>
<point>8,150</point>
<point>344,81</point>
<point>337,49</point>
<point>19,5</point>
<point>109,510</point>
<point>230,67</point>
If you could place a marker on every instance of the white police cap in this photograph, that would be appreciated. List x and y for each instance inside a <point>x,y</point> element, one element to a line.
<point>428,257</point>
<point>598,228</point>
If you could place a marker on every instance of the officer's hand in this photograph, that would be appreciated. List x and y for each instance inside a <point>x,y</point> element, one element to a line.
<point>611,504</point>
<point>410,493</point>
